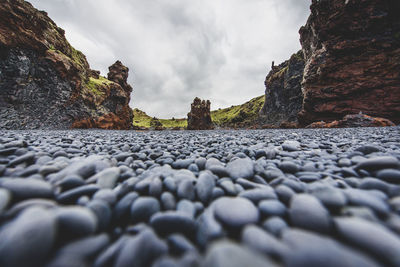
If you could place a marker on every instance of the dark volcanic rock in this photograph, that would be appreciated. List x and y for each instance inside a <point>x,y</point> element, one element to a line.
<point>199,117</point>
<point>283,96</point>
<point>352,52</point>
<point>46,83</point>
<point>327,197</point>
<point>29,239</point>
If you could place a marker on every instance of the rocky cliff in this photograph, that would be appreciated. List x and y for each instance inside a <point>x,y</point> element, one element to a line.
<point>283,95</point>
<point>46,83</point>
<point>352,52</point>
<point>199,117</point>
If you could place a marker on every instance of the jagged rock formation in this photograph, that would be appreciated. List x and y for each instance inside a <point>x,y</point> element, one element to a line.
<point>116,100</point>
<point>354,120</point>
<point>199,117</point>
<point>283,95</point>
<point>46,84</point>
<point>352,52</point>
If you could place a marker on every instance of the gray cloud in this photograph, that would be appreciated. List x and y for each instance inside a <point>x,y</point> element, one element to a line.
<point>177,49</point>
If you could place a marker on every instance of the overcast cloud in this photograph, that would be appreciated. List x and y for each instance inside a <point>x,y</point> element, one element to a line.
<point>178,49</point>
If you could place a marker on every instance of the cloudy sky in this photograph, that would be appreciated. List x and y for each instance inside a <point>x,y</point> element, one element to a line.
<point>179,49</point>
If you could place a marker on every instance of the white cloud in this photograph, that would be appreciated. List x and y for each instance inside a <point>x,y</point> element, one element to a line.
<point>177,49</point>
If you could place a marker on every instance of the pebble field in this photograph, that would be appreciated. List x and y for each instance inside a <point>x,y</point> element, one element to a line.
<point>304,197</point>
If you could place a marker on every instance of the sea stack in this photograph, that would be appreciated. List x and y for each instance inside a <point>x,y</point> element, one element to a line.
<point>199,117</point>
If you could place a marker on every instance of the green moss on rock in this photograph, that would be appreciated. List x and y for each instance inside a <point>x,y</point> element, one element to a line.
<point>94,85</point>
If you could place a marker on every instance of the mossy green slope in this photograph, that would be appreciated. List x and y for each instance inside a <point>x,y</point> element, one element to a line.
<point>141,119</point>
<point>240,116</point>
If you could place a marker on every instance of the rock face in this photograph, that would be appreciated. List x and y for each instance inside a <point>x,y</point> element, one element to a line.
<point>199,117</point>
<point>283,95</point>
<point>354,120</point>
<point>352,52</point>
<point>116,101</point>
<point>46,83</point>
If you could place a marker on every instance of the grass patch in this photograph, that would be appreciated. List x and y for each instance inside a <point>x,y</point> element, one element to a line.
<point>234,117</point>
<point>278,75</point>
<point>238,116</point>
<point>173,123</point>
<point>78,57</point>
<point>141,119</point>
<point>94,84</point>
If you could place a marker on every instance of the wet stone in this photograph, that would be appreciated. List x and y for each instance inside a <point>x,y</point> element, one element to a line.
<point>307,212</point>
<point>229,254</point>
<point>258,194</point>
<point>27,188</point>
<point>40,226</point>
<point>299,197</point>
<point>170,222</point>
<point>271,208</point>
<point>143,208</point>
<point>240,168</point>
<point>320,250</point>
<point>373,238</point>
<point>235,212</point>
<point>76,221</point>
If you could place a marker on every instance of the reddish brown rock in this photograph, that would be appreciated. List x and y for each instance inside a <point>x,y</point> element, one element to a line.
<point>46,84</point>
<point>288,125</point>
<point>116,96</point>
<point>354,120</point>
<point>199,117</point>
<point>109,121</point>
<point>352,52</point>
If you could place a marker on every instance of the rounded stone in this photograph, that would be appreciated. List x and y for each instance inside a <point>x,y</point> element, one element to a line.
<point>259,240</point>
<point>143,208</point>
<point>170,222</point>
<point>271,208</point>
<point>102,211</point>
<point>27,188</point>
<point>240,168</point>
<point>76,221</point>
<point>5,198</point>
<point>235,212</point>
<point>307,212</point>
<point>204,187</point>
<point>371,237</point>
<point>378,163</point>
<point>28,239</point>
<point>141,250</point>
<point>311,249</point>
<point>106,195</point>
<point>122,208</point>
<point>389,175</point>
<point>275,225</point>
<point>186,190</point>
<point>289,167</point>
<point>258,194</point>
<point>168,201</point>
<point>229,254</point>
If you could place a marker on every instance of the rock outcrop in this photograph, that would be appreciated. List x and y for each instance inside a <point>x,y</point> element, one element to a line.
<point>46,84</point>
<point>352,52</point>
<point>354,120</point>
<point>283,95</point>
<point>199,117</point>
<point>117,96</point>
